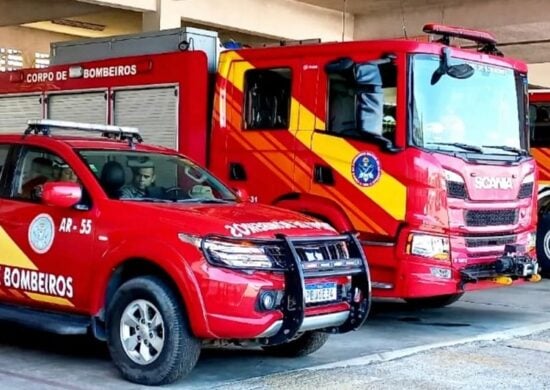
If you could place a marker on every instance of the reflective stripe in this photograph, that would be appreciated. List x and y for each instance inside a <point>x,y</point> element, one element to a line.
<point>11,255</point>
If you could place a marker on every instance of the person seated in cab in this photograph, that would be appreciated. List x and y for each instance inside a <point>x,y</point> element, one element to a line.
<point>143,183</point>
<point>41,171</point>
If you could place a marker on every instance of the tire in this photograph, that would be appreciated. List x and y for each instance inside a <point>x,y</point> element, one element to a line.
<point>543,244</point>
<point>306,344</point>
<point>170,351</point>
<point>434,302</point>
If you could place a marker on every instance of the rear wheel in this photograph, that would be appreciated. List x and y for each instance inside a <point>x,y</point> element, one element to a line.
<point>148,334</point>
<point>305,344</point>
<point>543,243</point>
<point>434,302</point>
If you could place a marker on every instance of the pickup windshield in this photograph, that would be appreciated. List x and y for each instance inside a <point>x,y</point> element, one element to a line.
<point>154,177</point>
<point>479,114</point>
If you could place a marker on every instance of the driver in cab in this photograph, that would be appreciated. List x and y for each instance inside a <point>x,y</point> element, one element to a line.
<point>143,181</point>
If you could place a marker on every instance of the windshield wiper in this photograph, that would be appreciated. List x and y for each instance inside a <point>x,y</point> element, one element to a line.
<point>508,149</point>
<point>471,148</point>
<point>154,200</point>
<point>199,200</point>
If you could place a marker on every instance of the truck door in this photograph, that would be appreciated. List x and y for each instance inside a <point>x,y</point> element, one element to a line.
<point>348,161</point>
<point>46,251</point>
<point>261,117</point>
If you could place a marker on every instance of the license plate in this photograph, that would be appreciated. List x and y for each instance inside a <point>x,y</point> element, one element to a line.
<point>321,292</point>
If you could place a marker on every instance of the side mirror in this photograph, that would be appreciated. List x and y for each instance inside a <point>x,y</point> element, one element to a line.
<point>458,71</point>
<point>242,194</point>
<point>61,194</point>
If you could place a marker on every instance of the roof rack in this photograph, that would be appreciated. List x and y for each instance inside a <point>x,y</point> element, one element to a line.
<point>45,126</point>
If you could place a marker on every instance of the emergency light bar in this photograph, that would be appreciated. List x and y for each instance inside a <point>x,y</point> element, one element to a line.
<point>44,126</point>
<point>480,37</point>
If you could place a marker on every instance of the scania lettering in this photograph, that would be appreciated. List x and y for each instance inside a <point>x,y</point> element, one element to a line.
<point>420,147</point>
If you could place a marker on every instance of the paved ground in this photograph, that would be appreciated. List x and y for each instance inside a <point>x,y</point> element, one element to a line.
<point>35,360</point>
<point>520,363</point>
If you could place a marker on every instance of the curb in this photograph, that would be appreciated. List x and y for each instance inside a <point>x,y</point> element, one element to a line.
<point>401,353</point>
<point>405,352</point>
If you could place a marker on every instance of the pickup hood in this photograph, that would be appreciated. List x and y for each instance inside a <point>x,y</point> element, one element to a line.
<point>239,220</point>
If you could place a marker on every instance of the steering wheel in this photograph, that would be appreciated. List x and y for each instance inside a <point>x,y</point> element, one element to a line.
<point>175,190</point>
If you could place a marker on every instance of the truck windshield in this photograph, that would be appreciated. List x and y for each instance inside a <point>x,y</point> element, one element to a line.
<point>478,114</point>
<point>154,177</point>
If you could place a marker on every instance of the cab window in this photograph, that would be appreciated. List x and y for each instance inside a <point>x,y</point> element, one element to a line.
<point>267,98</point>
<point>362,101</point>
<point>540,124</point>
<point>4,149</point>
<point>36,167</point>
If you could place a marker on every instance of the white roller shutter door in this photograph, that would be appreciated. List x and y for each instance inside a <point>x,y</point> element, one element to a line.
<point>153,110</point>
<point>15,111</point>
<point>87,107</point>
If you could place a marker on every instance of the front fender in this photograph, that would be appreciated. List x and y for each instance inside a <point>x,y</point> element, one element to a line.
<point>318,207</point>
<point>167,258</point>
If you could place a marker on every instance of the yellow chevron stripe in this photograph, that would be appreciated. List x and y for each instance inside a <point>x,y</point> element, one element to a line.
<point>11,255</point>
<point>388,192</point>
<point>49,299</point>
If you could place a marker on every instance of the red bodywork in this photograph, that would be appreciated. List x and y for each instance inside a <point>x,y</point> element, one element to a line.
<point>410,195</point>
<point>540,148</point>
<point>84,255</point>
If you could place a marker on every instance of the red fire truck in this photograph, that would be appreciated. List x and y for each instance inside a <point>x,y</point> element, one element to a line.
<point>421,147</point>
<point>539,109</point>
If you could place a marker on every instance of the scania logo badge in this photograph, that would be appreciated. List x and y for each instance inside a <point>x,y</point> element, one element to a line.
<point>365,169</point>
<point>493,183</point>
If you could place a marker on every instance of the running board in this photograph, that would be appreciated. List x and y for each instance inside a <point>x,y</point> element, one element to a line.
<point>63,324</point>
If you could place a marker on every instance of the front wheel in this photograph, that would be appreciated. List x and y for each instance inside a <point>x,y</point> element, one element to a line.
<point>305,344</point>
<point>148,334</point>
<point>543,243</point>
<point>434,302</point>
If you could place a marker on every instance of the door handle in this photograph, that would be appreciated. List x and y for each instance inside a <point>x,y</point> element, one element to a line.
<point>323,175</point>
<point>237,172</point>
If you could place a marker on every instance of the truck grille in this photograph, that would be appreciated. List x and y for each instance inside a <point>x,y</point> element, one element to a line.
<point>525,191</point>
<point>491,217</point>
<point>320,257</point>
<point>456,190</point>
<point>476,241</point>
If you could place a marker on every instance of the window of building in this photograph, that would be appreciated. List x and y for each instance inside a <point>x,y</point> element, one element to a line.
<point>267,98</point>
<point>41,60</point>
<point>362,101</point>
<point>10,59</point>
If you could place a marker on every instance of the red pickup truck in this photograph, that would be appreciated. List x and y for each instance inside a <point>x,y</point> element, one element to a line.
<point>148,251</point>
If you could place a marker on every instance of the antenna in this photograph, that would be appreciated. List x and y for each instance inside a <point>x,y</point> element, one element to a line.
<point>344,11</point>
<point>403,23</point>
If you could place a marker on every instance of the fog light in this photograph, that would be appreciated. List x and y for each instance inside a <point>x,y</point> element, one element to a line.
<point>268,300</point>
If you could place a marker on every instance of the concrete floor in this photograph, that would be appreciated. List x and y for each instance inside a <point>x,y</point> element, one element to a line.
<point>37,360</point>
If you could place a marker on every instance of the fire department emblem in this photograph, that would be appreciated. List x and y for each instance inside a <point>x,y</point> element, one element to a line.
<point>41,233</point>
<point>365,169</point>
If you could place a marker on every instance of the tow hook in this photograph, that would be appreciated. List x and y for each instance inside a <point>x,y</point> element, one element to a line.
<point>535,278</point>
<point>504,280</point>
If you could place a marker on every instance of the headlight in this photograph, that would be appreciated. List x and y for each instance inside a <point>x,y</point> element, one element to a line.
<point>239,254</point>
<point>452,176</point>
<point>425,245</point>
<point>531,241</point>
<point>530,178</point>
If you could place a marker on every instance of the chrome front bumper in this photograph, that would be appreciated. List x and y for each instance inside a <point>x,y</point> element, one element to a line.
<point>310,323</point>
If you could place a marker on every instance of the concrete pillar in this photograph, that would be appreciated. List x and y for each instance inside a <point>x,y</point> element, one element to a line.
<point>166,16</point>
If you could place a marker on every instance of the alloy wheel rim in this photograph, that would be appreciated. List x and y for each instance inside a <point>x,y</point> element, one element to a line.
<point>142,332</point>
